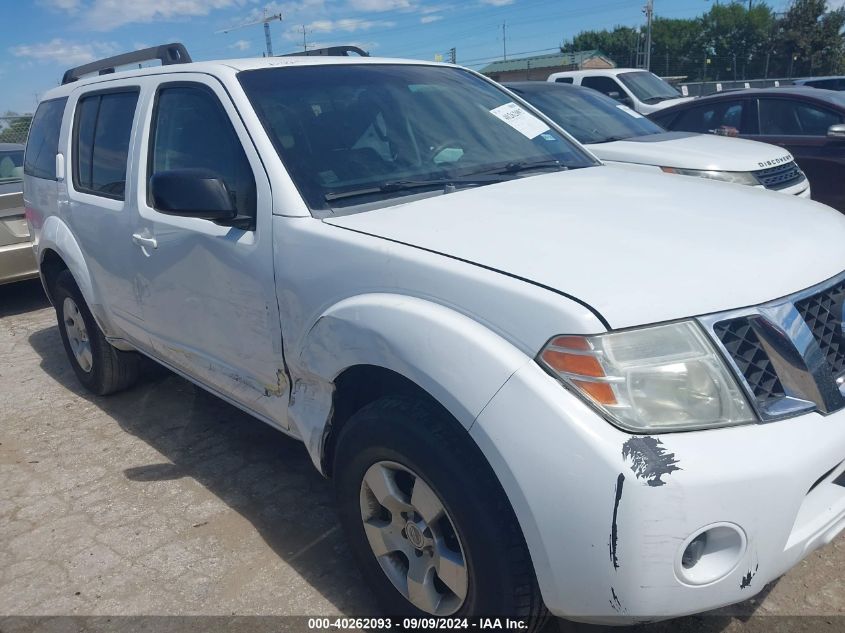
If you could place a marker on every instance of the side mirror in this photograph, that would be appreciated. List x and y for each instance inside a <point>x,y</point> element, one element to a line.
<point>836,131</point>
<point>621,98</point>
<point>192,193</point>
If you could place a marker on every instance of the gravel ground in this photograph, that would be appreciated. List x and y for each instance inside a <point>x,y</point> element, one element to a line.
<point>166,501</point>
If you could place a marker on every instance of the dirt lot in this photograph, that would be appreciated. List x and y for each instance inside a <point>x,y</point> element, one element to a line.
<point>164,500</point>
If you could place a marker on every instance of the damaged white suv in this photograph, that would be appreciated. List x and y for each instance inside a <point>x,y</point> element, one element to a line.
<point>537,382</point>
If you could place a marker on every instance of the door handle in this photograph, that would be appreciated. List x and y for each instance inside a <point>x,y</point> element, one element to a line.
<point>144,242</point>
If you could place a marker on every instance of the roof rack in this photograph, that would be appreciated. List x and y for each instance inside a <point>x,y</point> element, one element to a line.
<point>331,51</point>
<point>167,54</point>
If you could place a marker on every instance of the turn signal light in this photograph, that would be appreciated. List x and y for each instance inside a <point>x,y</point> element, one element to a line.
<point>574,358</point>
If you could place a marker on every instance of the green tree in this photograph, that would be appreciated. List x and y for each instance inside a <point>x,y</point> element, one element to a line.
<point>810,39</point>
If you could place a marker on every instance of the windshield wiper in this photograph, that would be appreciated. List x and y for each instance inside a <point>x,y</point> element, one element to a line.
<point>394,186</point>
<point>520,166</point>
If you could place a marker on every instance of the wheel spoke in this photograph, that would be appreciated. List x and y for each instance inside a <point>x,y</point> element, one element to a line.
<point>421,590</point>
<point>383,486</point>
<point>384,539</point>
<point>86,360</point>
<point>425,502</point>
<point>451,570</point>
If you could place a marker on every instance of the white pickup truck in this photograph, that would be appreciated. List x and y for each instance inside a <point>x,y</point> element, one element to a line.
<point>640,90</point>
<point>536,381</point>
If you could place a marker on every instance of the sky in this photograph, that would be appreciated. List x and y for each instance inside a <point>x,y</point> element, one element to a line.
<point>40,39</point>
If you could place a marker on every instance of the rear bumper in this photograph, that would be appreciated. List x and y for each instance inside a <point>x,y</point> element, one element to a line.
<point>17,262</point>
<point>607,546</point>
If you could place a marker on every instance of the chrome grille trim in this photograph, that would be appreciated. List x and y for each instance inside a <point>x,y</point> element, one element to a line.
<point>807,380</point>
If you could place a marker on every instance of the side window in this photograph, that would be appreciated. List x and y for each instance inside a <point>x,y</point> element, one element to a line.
<point>792,118</point>
<point>43,142</point>
<point>102,130</point>
<point>563,80</point>
<point>191,130</point>
<point>710,118</point>
<point>605,85</point>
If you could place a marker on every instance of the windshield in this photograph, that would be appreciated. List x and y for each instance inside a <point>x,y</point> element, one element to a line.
<point>345,131</point>
<point>587,115</point>
<point>648,87</point>
<point>11,165</point>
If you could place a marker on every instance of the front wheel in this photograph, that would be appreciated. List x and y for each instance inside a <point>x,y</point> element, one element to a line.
<point>426,518</point>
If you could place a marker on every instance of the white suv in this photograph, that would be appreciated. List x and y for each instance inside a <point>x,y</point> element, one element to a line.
<point>537,381</point>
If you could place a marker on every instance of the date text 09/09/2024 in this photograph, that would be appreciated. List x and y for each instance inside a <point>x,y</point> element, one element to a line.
<point>413,624</point>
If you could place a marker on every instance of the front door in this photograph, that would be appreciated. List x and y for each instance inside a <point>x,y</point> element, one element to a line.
<point>210,297</point>
<point>801,128</point>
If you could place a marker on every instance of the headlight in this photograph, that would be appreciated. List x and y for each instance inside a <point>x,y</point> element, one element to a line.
<point>660,378</point>
<point>736,177</point>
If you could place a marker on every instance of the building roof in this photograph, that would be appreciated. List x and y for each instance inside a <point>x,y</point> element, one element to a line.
<point>552,60</point>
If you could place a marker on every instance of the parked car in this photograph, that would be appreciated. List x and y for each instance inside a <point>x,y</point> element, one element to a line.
<point>618,135</point>
<point>536,381</point>
<point>808,122</point>
<point>640,90</point>
<point>17,261</point>
<point>826,83</point>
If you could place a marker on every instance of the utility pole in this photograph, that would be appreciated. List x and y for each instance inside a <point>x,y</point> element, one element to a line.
<point>649,13</point>
<point>305,32</point>
<point>505,41</point>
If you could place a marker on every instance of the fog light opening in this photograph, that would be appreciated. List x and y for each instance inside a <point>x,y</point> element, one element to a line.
<point>710,554</point>
<point>693,552</point>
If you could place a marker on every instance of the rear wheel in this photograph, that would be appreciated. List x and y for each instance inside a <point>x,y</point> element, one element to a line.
<point>426,518</point>
<point>99,366</point>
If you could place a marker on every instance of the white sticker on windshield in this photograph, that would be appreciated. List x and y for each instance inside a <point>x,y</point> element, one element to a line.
<point>521,120</point>
<point>628,110</point>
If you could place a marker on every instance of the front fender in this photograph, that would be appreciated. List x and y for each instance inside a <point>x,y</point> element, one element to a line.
<point>457,360</point>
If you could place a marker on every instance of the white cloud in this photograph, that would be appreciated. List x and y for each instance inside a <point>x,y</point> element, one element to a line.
<point>377,6</point>
<point>345,25</point>
<point>497,3</point>
<point>105,15</point>
<point>64,52</point>
<point>428,19</point>
<point>241,45</point>
<point>63,5</point>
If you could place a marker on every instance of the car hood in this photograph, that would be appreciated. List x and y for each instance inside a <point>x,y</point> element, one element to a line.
<point>639,248</point>
<point>693,151</point>
<point>660,105</point>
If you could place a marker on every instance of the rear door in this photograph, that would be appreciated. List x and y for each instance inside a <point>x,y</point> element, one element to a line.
<point>801,127</point>
<point>209,296</point>
<point>96,202</point>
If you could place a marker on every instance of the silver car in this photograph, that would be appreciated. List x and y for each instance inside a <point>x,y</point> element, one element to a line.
<point>17,261</point>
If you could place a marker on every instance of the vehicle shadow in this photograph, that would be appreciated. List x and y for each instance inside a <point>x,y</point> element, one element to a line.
<point>21,297</point>
<point>260,473</point>
<point>269,480</point>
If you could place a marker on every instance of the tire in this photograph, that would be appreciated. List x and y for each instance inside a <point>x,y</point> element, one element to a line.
<point>101,368</point>
<point>411,440</point>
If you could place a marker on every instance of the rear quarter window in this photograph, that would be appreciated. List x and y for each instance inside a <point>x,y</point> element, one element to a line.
<point>43,142</point>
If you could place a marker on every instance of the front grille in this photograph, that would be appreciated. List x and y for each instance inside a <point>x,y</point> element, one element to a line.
<point>789,353</point>
<point>780,177</point>
<point>743,345</point>
<point>822,312</point>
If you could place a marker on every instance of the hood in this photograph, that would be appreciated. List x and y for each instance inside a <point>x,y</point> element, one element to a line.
<point>692,151</point>
<point>660,105</point>
<point>639,248</point>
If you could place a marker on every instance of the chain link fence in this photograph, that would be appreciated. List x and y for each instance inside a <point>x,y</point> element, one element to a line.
<point>13,129</point>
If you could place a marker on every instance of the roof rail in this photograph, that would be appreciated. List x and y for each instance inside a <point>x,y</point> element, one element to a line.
<point>331,51</point>
<point>174,53</point>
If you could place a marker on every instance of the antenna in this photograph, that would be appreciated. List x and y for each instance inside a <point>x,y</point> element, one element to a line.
<point>266,22</point>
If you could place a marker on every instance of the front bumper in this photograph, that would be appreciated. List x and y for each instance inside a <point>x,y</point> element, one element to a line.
<point>607,544</point>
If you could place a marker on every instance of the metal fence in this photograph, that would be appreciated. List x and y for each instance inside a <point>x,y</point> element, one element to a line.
<point>703,88</point>
<point>13,129</point>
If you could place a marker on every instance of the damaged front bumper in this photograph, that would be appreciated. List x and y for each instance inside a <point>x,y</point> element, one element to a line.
<point>608,516</point>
